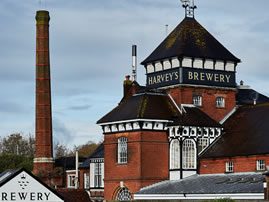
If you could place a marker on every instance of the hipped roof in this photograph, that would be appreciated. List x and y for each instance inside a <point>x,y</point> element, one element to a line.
<point>246,133</point>
<point>190,39</point>
<point>157,106</point>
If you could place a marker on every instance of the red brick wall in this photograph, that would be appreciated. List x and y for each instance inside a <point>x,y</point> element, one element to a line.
<point>81,177</point>
<point>184,95</point>
<point>147,161</point>
<point>241,164</point>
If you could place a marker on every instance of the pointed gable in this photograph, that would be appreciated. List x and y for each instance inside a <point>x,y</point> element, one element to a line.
<point>190,39</point>
<point>22,185</point>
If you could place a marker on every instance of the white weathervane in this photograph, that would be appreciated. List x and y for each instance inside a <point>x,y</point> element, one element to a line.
<point>189,7</point>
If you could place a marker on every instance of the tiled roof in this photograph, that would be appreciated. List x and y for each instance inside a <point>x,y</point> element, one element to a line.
<point>74,195</point>
<point>247,96</point>
<point>142,106</point>
<point>98,153</point>
<point>209,184</point>
<point>158,106</point>
<point>246,133</point>
<point>193,116</point>
<point>190,39</point>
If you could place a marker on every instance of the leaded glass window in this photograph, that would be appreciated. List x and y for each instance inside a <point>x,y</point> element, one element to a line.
<point>174,154</point>
<point>188,154</point>
<point>122,150</point>
<point>124,195</point>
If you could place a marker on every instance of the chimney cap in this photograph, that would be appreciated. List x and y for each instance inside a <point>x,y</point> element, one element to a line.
<point>42,17</point>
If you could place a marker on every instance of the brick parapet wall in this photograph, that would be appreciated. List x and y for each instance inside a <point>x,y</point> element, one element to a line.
<point>241,164</point>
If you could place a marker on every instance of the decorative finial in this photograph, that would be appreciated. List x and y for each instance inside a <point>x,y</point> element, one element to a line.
<point>189,7</point>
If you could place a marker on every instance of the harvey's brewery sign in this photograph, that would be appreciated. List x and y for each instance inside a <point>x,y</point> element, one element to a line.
<point>22,186</point>
<point>192,76</point>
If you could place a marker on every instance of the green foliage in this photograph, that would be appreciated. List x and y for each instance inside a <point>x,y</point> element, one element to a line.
<point>17,144</point>
<point>86,149</point>
<point>13,161</point>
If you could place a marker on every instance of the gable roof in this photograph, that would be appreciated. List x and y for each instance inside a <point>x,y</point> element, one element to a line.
<point>208,184</point>
<point>246,133</point>
<point>24,182</point>
<point>190,39</point>
<point>142,106</point>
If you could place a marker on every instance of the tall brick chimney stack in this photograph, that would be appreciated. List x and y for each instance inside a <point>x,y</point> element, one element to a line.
<point>43,160</point>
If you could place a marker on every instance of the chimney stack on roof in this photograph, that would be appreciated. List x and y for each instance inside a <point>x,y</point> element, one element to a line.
<point>134,62</point>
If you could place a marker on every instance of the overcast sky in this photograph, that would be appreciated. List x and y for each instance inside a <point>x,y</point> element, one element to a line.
<point>90,52</point>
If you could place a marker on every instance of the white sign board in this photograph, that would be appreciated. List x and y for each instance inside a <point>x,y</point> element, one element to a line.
<point>25,188</point>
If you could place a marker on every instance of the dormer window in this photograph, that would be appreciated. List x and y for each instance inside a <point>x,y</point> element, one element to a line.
<point>220,102</point>
<point>197,100</point>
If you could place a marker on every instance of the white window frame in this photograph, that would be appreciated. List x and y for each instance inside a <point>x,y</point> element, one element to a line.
<point>197,100</point>
<point>202,144</point>
<point>260,165</point>
<point>174,154</point>
<point>189,154</point>
<point>71,180</point>
<point>122,150</point>
<point>220,102</point>
<point>97,175</point>
<point>86,181</point>
<point>229,167</point>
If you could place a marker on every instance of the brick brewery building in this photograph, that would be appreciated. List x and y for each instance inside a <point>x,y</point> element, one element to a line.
<point>190,127</point>
<point>191,118</point>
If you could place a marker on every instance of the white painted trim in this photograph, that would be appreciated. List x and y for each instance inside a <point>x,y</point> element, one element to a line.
<point>198,86</point>
<point>198,196</point>
<point>134,120</point>
<point>70,171</point>
<point>43,160</point>
<point>174,103</point>
<point>228,115</point>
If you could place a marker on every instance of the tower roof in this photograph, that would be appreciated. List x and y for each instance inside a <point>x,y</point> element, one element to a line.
<point>190,39</point>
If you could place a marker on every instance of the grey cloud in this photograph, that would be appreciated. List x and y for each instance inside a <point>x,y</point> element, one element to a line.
<point>80,107</point>
<point>12,107</point>
<point>61,133</point>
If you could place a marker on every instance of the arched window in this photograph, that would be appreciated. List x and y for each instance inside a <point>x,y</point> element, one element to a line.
<point>122,150</point>
<point>124,195</point>
<point>189,154</point>
<point>174,154</point>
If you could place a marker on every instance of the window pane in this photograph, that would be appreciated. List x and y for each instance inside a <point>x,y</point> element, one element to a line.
<point>229,167</point>
<point>124,195</point>
<point>174,155</point>
<point>197,100</point>
<point>189,154</point>
<point>220,102</point>
<point>202,144</point>
<point>122,150</point>
<point>97,175</point>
